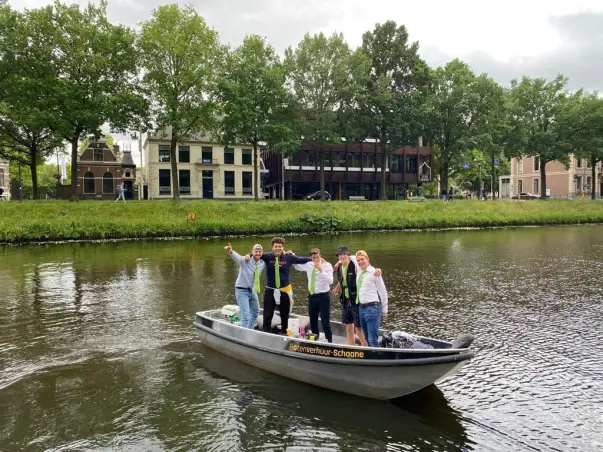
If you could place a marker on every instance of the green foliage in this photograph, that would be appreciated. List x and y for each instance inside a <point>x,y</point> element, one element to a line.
<point>86,141</point>
<point>394,109</point>
<point>91,220</point>
<point>181,65</point>
<point>255,102</point>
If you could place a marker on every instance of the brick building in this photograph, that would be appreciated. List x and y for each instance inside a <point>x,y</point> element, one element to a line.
<point>4,180</point>
<point>561,182</point>
<point>102,168</point>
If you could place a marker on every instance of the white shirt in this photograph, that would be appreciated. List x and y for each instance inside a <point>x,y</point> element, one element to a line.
<point>372,288</point>
<point>324,278</point>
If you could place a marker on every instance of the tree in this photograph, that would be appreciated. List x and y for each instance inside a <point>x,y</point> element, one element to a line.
<point>463,111</point>
<point>181,66</point>
<point>255,100</point>
<point>583,119</point>
<point>397,90</point>
<point>323,76</point>
<point>479,163</point>
<point>95,71</point>
<point>535,107</point>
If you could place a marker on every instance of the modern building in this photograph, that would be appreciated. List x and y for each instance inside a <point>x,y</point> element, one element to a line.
<point>561,182</point>
<point>4,180</point>
<point>206,169</point>
<point>102,168</point>
<point>351,170</point>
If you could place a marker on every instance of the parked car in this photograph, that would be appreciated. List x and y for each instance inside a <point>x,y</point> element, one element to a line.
<point>315,196</point>
<point>525,195</point>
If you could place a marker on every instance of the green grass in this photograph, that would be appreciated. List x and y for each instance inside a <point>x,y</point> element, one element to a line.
<point>93,220</point>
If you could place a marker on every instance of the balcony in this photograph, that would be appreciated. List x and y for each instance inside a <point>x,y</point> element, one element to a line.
<point>207,162</point>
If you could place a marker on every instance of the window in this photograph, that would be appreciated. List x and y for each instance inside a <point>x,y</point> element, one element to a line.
<point>589,183</point>
<point>588,163</point>
<point>1,177</point>
<point>535,186</point>
<point>247,180</point>
<point>520,165</point>
<point>397,163</point>
<point>88,182</point>
<point>411,164</point>
<point>578,163</point>
<point>108,187</point>
<point>536,165</point>
<point>308,158</point>
<point>165,183</point>
<point>229,183</point>
<point>228,156</point>
<point>206,155</point>
<point>184,181</point>
<point>128,173</point>
<point>164,153</point>
<point>206,174</point>
<point>339,159</point>
<point>247,157</point>
<point>354,159</point>
<point>184,154</point>
<point>99,155</point>
<point>368,160</point>
<point>519,186</point>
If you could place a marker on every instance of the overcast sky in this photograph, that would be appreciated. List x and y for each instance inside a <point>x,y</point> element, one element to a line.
<point>505,39</point>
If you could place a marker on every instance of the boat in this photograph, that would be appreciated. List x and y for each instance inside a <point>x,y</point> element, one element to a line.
<point>381,373</point>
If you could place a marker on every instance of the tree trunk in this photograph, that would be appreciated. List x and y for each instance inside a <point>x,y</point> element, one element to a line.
<point>321,157</point>
<point>74,165</point>
<point>33,166</point>
<point>175,180</point>
<point>256,175</point>
<point>444,174</point>
<point>593,178</point>
<point>543,178</point>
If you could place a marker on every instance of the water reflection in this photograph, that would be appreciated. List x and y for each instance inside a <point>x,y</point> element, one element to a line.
<point>97,350</point>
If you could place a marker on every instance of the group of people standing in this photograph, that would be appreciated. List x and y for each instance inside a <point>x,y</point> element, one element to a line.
<point>360,287</point>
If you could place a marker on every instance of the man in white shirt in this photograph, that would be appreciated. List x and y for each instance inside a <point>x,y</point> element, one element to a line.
<point>320,278</point>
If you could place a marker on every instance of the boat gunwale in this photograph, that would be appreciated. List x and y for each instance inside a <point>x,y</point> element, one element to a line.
<point>462,354</point>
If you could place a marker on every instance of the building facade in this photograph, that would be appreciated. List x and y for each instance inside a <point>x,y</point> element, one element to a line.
<point>102,168</point>
<point>561,182</point>
<point>4,180</point>
<point>206,169</point>
<point>351,170</point>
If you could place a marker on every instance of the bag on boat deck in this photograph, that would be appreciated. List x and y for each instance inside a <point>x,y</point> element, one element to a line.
<point>400,339</point>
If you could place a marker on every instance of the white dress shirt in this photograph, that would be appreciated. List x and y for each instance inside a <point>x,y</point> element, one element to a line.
<point>372,288</point>
<point>324,278</point>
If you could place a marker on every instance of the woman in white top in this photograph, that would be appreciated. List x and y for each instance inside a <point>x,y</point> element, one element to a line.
<point>371,297</point>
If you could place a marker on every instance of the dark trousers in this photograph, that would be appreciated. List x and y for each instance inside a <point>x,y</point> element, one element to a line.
<point>270,306</point>
<point>320,303</point>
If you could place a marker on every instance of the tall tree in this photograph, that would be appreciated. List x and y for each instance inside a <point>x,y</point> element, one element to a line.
<point>181,66</point>
<point>582,118</point>
<point>24,130</point>
<point>398,89</point>
<point>254,99</point>
<point>323,75</point>
<point>95,71</point>
<point>535,106</point>
<point>462,111</point>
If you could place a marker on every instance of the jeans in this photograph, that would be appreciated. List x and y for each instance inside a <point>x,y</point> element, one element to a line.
<point>320,303</point>
<point>370,321</point>
<point>249,304</point>
<point>121,196</point>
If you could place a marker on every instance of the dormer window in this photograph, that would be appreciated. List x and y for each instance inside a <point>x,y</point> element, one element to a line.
<point>127,173</point>
<point>99,155</point>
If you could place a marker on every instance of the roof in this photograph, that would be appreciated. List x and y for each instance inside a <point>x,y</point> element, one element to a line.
<point>126,159</point>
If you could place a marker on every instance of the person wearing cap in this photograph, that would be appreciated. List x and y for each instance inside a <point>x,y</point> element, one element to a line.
<point>247,286</point>
<point>371,297</point>
<point>320,278</point>
<point>346,289</point>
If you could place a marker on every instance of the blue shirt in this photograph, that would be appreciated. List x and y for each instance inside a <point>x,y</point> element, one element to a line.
<point>246,270</point>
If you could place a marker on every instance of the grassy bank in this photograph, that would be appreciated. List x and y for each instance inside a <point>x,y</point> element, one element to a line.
<point>62,220</point>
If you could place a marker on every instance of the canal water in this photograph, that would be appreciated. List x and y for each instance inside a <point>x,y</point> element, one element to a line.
<point>98,352</point>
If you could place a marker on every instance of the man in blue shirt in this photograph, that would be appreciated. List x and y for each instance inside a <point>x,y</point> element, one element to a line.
<point>247,286</point>
<point>278,286</point>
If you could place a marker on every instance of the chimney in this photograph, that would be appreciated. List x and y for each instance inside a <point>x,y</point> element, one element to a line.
<point>116,148</point>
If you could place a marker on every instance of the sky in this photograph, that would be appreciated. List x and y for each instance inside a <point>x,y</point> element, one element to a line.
<point>505,39</point>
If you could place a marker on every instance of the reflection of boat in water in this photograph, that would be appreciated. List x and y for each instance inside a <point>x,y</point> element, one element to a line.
<point>413,419</point>
<point>376,373</point>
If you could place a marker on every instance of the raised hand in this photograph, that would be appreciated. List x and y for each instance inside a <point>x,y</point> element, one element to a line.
<point>228,248</point>
<point>377,272</point>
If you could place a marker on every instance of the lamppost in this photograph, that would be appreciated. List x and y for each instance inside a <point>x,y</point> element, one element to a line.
<point>135,136</point>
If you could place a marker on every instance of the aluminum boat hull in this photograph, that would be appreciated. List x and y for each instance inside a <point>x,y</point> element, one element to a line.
<point>376,373</point>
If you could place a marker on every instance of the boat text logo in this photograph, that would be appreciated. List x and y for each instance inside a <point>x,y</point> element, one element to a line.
<point>330,352</point>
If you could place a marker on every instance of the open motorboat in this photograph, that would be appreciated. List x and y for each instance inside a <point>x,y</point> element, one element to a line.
<point>377,373</point>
